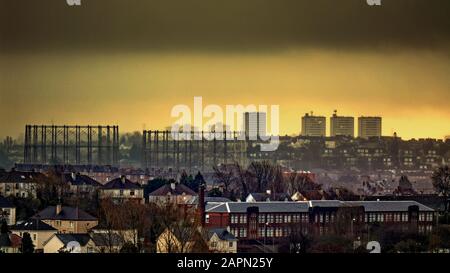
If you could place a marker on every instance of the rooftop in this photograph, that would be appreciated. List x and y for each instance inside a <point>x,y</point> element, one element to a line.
<point>79,180</point>
<point>66,213</point>
<point>304,206</point>
<point>121,183</point>
<point>5,203</point>
<point>33,224</point>
<point>173,189</point>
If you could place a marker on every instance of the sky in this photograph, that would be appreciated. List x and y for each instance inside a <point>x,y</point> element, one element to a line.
<point>129,62</point>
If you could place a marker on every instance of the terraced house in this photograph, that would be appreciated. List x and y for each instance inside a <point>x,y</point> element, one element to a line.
<point>19,184</point>
<point>67,219</point>
<point>121,190</point>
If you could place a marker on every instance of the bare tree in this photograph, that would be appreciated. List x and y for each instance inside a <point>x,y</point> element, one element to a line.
<point>441,182</point>
<point>180,230</point>
<point>224,176</point>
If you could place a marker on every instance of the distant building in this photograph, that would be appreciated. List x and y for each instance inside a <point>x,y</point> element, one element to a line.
<point>7,211</point>
<point>255,125</point>
<point>220,240</point>
<point>267,196</point>
<point>67,219</point>
<point>70,243</point>
<point>342,126</point>
<point>10,243</point>
<point>19,184</point>
<point>121,190</point>
<point>369,127</point>
<point>173,193</point>
<point>314,126</point>
<point>274,220</point>
<point>39,232</point>
<point>80,184</point>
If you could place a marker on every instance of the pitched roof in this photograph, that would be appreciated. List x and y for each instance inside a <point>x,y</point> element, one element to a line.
<point>20,177</point>
<point>66,213</point>
<point>33,224</point>
<point>177,189</point>
<point>107,239</point>
<point>304,206</point>
<point>262,196</point>
<point>80,179</point>
<point>222,233</point>
<point>81,238</point>
<point>389,205</point>
<point>264,207</point>
<point>5,203</point>
<point>121,183</point>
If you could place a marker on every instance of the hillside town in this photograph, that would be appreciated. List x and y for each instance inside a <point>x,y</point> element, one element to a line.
<point>261,208</point>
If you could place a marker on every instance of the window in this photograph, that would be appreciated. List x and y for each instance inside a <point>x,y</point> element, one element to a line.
<point>207,218</point>
<point>404,217</point>
<point>213,244</point>
<point>261,218</point>
<point>243,219</point>
<point>234,231</point>
<point>243,232</point>
<point>71,224</point>
<point>421,216</point>
<point>230,244</point>
<point>131,193</point>
<point>261,232</point>
<point>269,218</point>
<point>121,192</point>
<point>270,232</point>
<point>234,219</point>
<point>278,218</point>
<point>34,236</point>
<point>278,232</point>
<point>305,218</point>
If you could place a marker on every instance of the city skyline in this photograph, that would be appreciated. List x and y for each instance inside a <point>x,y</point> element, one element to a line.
<point>134,66</point>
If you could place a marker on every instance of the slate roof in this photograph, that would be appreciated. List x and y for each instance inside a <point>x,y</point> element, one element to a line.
<point>217,199</point>
<point>167,188</point>
<point>81,238</point>
<point>394,206</point>
<point>262,196</point>
<point>80,180</point>
<point>5,203</point>
<point>121,183</point>
<point>20,177</point>
<point>33,224</point>
<point>222,233</point>
<point>264,207</point>
<point>105,239</point>
<point>304,206</point>
<point>67,213</point>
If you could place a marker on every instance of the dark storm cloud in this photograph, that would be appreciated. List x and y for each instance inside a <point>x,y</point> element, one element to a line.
<point>222,24</point>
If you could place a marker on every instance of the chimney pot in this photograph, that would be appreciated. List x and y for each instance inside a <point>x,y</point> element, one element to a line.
<point>58,209</point>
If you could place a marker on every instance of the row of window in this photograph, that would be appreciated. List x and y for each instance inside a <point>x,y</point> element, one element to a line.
<point>387,217</point>
<point>271,218</point>
<point>328,218</point>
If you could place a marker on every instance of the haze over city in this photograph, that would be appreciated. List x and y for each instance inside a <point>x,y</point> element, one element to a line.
<point>132,66</point>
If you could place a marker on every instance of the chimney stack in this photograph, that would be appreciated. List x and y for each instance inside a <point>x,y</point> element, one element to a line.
<point>201,204</point>
<point>58,208</point>
<point>122,178</point>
